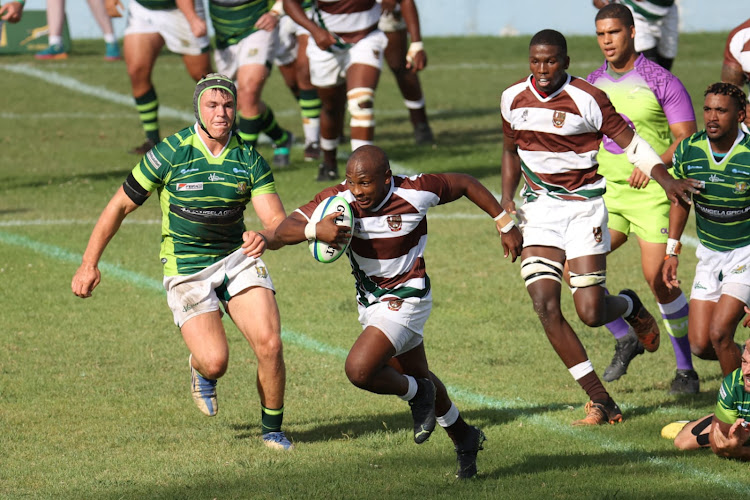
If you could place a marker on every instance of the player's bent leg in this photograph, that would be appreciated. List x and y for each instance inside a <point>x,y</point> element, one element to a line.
<point>361,82</point>
<point>140,51</point>
<point>423,405</point>
<point>727,315</point>
<point>209,356</point>
<point>699,325</point>
<point>333,109</point>
<point>690,435</point>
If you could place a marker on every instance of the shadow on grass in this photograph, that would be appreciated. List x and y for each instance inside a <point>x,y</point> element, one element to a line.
<point>393,422</point>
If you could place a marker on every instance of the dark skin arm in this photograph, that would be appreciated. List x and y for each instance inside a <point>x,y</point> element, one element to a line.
<point>510,173</point>
<point>731,73</point>
<point>414,61</point>
<point>678,216</point>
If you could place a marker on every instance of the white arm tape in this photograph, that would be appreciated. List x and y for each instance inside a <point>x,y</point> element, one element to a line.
<point>642,155</point>
<point>506,220</point>
<point>310,232</point>
<point>278,8</point>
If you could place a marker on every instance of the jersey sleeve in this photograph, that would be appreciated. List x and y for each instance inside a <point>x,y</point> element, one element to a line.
<point>260,175</point>
<point>725,404</point>
<point>151,172</point>
<point>613,123</point>
<point>677,167</point>
<point>505,115</point>
<point>676,103</point>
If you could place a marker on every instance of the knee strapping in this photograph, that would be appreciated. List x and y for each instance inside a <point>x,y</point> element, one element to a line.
<point>586,280</point>
<point>540,268</point>
<point>360,101</point>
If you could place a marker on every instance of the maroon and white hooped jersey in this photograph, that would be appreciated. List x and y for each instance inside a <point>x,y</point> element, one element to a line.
<point>348,16</point>
<point>737,49</point>
<point>558,136</point>
<point>388,242</point>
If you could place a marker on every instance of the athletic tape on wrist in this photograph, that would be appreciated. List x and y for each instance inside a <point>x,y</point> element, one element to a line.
<point>642,155</point>
<point>673,246</point>
<point>506,220</point>
<point>310,231</point>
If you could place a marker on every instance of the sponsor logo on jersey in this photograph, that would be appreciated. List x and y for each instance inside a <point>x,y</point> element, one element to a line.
<point>735,171</point>
<point>214,177</point>
<point>394,222</point>
<point>395,305</point>
<point>739,269</point>
<point>252,52</point>
<point>238,170</point>
<point>715,178</point>
<point>376,53</point>
<point>262,271</point>
<point>164,260</point>
<point>598,234</point>
<point>558,119</point>
<point>693,167</point>
<point>152,158</point>
<point>241,188</point>
<point>190,186</point>
<point>188,170</point>
<point>357,227</point>
<point>740,187</point>
<point>722,391</point>
<point>525,115</point>
<point>699,286</point>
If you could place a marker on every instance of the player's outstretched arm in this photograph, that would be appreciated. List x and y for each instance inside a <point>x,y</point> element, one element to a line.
<point>510,173</point>
<point>87,277</point>
<point>642,155</point>
<point>270,211</point>
<point>728,440</point>
<point>468,186</point>
<point>296,229</point>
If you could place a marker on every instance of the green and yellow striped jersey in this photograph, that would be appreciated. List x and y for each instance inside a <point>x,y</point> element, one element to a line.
<point>722,208</point>
<point>234,20</point>
<point>733,402</point>
<point>158,4</point>
<point>202,197</point>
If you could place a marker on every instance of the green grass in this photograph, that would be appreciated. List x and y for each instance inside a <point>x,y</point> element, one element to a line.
<point>94,396</point>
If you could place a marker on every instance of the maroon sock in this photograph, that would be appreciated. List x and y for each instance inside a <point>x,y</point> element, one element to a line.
<point>593,387</point>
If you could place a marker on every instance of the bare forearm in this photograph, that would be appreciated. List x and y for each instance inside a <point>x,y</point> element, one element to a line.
<point>293,9</point>
<point>411,18</point>
<point>477,193</point>
<point>290,232</point>
<point>511,174</point>
<point>106,227</point>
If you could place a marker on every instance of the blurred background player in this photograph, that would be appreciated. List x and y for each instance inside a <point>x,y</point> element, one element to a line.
<point>152,24</point>
<point>736,66</point>
<point>207,255</point>
<point>11,12</point>
<point>405,63</point>
<point>246,40</point>
<point>291,59</point>
<point>655,104</point>
<point>56,20</point>
<point>656,28</point>
<point>345,60</point>
<point>726,430</point>
<point>718,157</point>
<point>394,296</point>
<point>552,127</point>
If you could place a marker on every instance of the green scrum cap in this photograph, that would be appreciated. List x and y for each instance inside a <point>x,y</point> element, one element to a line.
<point>211,81</point>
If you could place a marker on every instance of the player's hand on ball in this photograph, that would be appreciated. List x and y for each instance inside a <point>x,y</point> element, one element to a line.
<point>331,233</point>
<point>254,244</point>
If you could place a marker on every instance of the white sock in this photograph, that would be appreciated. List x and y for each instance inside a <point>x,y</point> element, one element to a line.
<point>449,418</point>
<point>109,38</point>
<point>412,390</point>
<point>311,127</point>
<point>55,40</point>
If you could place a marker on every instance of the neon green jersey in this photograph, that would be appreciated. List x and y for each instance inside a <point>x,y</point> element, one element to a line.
<point>733,402</point>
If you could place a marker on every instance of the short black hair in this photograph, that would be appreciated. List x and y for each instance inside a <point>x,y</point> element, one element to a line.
<point>616,11</point>
<point>550,37</point>
<point>728,89</point>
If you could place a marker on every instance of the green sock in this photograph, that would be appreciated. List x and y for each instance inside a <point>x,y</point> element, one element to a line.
<point>249,128</point>
<point>148,109</point>
<point>309,103</point>
<point>270,420</point>
<point>272,129</point>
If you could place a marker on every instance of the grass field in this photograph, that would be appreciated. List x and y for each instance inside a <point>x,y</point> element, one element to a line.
<point>94,399</point>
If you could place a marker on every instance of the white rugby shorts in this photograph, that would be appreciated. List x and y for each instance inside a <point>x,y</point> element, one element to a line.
<point>189,296</point>
<point>328,69</point>
<point>577,227</point>
<point>286,48</point>
<point>732,267</point>
<point>391,21</point>
<point>170,24</point>
<point>256,48</point>
<point>661,33</point>
<point>401,320</point>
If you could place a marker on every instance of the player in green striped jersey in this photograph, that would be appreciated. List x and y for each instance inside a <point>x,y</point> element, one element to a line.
<point>205,176</point>
<point>718,157</point>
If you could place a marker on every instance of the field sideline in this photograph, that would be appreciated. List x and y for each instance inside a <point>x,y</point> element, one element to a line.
<point>94,393</point>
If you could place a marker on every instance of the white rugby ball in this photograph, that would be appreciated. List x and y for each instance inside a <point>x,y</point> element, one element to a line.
<point>321,251</point>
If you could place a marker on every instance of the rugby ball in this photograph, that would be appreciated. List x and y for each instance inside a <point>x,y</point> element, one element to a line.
<point>321,251</point>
